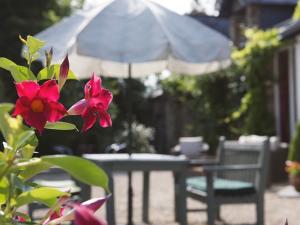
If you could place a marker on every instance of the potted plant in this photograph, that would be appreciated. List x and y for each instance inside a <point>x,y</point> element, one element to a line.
<point>293,162</point>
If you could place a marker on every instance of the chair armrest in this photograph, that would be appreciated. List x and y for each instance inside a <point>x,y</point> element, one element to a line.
<point>221,168</point>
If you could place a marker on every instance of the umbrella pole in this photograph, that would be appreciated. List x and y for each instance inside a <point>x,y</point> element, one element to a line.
<point>129,148</point>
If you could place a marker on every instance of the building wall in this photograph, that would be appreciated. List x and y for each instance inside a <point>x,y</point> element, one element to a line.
<point>292,76</point>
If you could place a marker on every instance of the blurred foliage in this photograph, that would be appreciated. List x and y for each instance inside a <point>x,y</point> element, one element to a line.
<point>207,101</point>
<point>294,148</point>
<point>296,15</point>
<point>141,138</point>
<point>255,63</point>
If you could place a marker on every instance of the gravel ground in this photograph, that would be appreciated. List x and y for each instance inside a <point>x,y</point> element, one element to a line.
<point>162,204</point>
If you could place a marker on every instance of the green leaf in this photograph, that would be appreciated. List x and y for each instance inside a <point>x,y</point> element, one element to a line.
<point>32,169</point>
<point>28,150</point>
<point>60,126</point>
<point>45,195</point>
<point>6,63</point>
<point>21,73</point>
<point>34,44</point>
<point>47,73</point>
<point>3,190</point>
<point>6,107</point>
<point>4,124</point>
<point>81,169</point>
<point>24,138</point>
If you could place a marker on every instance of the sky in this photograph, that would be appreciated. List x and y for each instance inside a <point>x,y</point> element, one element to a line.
<point>179,6</point>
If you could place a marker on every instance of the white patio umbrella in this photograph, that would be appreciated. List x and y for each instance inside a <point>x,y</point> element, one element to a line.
<point>141,33</point>
<point>132,38</point>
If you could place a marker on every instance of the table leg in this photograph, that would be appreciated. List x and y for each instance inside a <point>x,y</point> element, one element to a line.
<point>85,193</point>
<point>182,205</point>
<point>146,183</point>
<point>176,192</point>
<point>110,204</point>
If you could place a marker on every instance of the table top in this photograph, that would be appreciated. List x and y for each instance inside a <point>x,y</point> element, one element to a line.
<point>134,157</point>
<point>139,161</point>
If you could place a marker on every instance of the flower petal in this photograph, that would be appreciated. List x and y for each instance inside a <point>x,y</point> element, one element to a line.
<point>54,215</point>
<point>49,90</point>
<point>101,101</point>
<point>36,120</point>
<point>84,216</point>
<point>105,120</point>
<point>22,107</point>
<point>95,203</point>
<point>92,87</point>
<point>55,111</point>
<point>28,89</point>
<point>89,119</point>
<point>106,98</point>
<point>78,107</point>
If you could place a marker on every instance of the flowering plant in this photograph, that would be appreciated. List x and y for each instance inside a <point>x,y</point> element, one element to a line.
<point>293,162</point>
<point>38,106</point>
<point>293,168</point>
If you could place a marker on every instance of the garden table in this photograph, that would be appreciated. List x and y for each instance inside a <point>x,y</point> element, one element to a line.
<point>145,163</point>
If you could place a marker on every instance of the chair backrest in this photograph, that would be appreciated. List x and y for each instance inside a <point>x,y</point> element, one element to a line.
<point>250,153</point>
<point>191,146</point>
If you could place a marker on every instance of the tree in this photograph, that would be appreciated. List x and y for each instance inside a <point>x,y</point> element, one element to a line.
<point>25,17</point>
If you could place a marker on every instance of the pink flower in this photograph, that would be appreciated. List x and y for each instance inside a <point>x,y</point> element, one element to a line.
<point>84,216</point>
<point>21,219</point>
<point>94,105</point>
<point>54,215</point>
<point>39,104</point>
<point>63,72</point>
<point>80,210</point>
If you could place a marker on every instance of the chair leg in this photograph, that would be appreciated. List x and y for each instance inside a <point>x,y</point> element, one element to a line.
<point>146,184</point>
<point>218,212</point>
<point>210,200</point>
<point>260,211</point>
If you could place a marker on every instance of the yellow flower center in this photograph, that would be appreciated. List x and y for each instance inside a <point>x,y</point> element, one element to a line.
<point>37,106</point>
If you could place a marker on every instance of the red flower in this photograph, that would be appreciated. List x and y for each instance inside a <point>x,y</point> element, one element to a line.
<point>38,104</point>
<point>94,105</point>
<point>21,219</point>
<point>78,211</point>
<point>84,216</point>
<point>54,215</point>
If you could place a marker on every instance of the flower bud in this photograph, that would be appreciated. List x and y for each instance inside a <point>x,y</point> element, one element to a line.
<point>63,72</point>
<point>49,56</point>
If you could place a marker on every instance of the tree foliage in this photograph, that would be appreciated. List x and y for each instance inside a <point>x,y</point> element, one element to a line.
<point>255,63</point>
<point>296,15</point>
<point>205,103</point>
<point>294,148</point>
<point>23,18</point>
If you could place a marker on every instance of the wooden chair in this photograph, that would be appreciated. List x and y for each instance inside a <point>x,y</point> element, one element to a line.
<point>239,178</point>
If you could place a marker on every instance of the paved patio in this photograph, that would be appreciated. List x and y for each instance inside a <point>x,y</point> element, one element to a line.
<point>162,198</point>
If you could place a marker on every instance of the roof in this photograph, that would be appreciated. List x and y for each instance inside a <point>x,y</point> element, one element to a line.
<point>225,6</point>
<point>289,29</point>
<point>219,24</point>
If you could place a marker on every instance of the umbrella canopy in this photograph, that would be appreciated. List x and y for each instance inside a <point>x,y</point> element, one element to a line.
<point>141,33</point>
